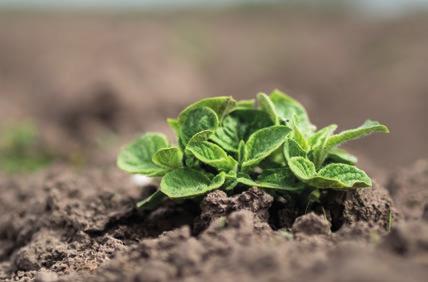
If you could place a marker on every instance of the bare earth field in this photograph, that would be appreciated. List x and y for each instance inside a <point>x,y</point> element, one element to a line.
<point>90,82</point>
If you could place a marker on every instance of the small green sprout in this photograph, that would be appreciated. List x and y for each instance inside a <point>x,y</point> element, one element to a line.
<point>21,150</point>
<point>224,144</point>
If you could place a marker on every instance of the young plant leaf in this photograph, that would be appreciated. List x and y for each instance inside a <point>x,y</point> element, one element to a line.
<point>338,155</point>
<point>239,125</point>
<point>185,183</point>
<point>152,201</point>
<point>212,155</point>
<point>137,156</point>
<point>264,142</point>
<point>267,106</point>
<point>245,104</point>
<point>287,107</point>
<point>241,151</point>
<point>201,136</point>
<point>321,136</point>
<point>196,121</point>
<point>174,125</point>
<point>230,181</point>
<point>293,149</point>
<point>227,136</point>
<point>298,135</point>
<point>168,158</point>
<point>246,180</point>
<point>280,179</point>
<point>302,168</point>
<point>332,176</point>
<point>318,142</point>
<point>275,160</point>
<point>367,128</point>
<point>220,105</point>
<point>191,162</point>
<point>342,176</point>
<point>249,121</point>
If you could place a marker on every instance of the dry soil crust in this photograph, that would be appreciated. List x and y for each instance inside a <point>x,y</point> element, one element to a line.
<point>70,226</point>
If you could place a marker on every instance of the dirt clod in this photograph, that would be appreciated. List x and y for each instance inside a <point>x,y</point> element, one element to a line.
<point>46,276</point>
<point>217,204</point>
<point>408,188</point>
<point>312,224</point>
<point>370,205</point>
<point>409,239</point>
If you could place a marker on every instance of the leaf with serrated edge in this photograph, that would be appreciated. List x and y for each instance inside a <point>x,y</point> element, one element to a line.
<point>267,106</point>
<point>185,183</point>
<point>137,156</point>
<point>286,107</point>
<point>212,155</point>
<point>152,201</point>
<point>168,158</point>
<point>264,142</point>
<point>197,120</point>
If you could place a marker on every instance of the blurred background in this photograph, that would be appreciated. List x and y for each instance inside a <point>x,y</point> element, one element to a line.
<point>80,78</point>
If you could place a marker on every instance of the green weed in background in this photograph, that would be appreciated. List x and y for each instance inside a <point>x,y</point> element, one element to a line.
<point>20,149</point>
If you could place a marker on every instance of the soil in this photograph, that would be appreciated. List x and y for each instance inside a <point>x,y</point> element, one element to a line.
<point>67,225</point>
<point>87,79</point>
<point>92,82</point>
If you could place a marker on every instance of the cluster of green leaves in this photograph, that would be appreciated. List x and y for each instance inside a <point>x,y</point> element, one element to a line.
<point>223,144</point>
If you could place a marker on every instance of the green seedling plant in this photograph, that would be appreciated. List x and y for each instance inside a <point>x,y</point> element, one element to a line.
<point>21,150</point>
<point>226,144</point>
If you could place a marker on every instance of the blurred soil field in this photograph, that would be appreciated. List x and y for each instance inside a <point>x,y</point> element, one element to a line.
<point>90,81</point>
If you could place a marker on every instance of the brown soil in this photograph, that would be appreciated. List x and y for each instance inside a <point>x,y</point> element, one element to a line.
<point>91,82</point>
<point>64,225</point>
<point>83,77</point>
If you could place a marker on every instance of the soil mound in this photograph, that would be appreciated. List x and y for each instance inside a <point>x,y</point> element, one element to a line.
<point>64,225</point>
